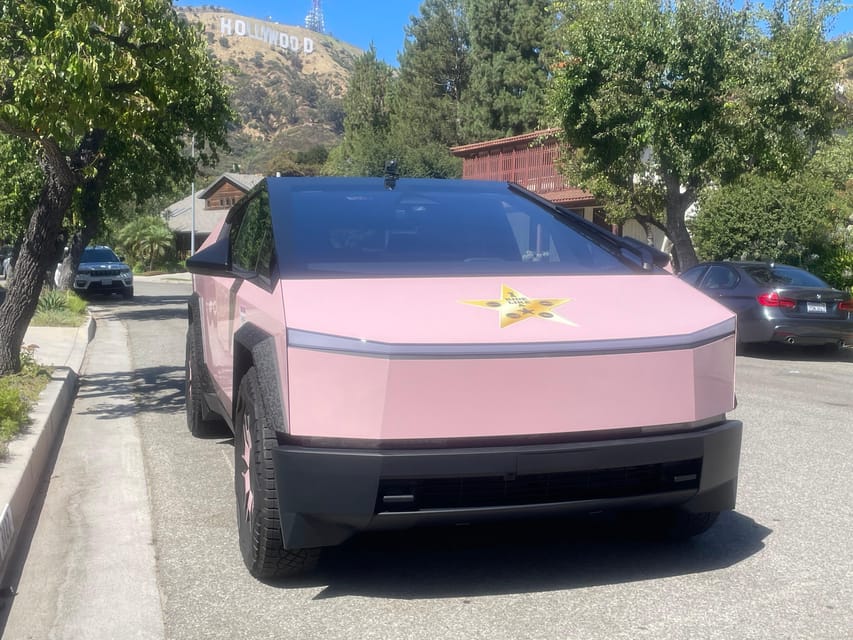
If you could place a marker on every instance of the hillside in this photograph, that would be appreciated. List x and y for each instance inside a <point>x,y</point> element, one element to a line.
<point>288,83</point>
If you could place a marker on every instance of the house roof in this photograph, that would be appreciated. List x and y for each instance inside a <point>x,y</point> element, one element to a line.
<point>179,215</point>
<point>243,181</point>
<point>180,219</point>
<point>522,140</point>
<point>571,197</point>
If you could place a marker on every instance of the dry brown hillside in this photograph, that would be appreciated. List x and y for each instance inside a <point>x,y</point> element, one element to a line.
<point>288,83</point>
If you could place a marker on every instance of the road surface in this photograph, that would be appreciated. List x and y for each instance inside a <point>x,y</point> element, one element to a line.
<point>780,566</point>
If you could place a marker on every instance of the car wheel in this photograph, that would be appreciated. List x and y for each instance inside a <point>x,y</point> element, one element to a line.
<point>198,425</point>
<point>127,293</point>
<point>831,348</point>
<point>672,524</point>
<point>254,484</point>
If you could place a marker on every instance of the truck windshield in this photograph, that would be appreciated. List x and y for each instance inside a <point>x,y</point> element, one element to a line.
<point>99,255</point>
<point>430,231</point>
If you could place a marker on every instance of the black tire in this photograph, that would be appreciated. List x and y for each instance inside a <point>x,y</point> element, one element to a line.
<point>258,521</point>
<point>198,423</point>
<point>672,524</point>
<point>832,348</point>
<point>127,293</point>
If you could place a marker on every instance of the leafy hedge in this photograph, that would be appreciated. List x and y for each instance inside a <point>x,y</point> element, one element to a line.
<point>796,221</point>
<point>18,393</point>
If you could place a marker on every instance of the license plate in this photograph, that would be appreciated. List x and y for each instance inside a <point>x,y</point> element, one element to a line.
<point>816,307</point>
<point>108,282</point>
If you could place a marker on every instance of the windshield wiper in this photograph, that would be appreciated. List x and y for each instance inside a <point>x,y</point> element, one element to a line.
<point>649,256</point>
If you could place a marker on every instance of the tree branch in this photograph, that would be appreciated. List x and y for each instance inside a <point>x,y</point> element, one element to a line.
<point>17,132</point>
<point>122,40</point>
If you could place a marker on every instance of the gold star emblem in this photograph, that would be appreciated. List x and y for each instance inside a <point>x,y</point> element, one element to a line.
<point>514,307</point>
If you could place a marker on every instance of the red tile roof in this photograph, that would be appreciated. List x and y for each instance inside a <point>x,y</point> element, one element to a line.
<point>523,140</point>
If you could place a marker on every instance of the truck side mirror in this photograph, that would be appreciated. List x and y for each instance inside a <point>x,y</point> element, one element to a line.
<point>213,260</point>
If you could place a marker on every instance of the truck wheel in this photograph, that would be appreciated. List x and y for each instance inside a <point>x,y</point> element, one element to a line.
<point>127,293</point>
<point>196,422</point>
<point>258,522</point>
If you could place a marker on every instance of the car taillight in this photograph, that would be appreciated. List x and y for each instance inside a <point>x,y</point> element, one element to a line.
<point>773,299</point>
<point>847,305</point>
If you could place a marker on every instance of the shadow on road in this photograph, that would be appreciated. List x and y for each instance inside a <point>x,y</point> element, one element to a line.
<point>773,351</point>
<point>156,389</point>
<point>142,307</point>
<point>522,557</point>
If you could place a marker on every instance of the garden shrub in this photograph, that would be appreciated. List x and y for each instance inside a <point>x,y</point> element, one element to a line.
<point>52,300</point>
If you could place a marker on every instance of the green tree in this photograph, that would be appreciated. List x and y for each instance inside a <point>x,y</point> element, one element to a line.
<point>510,41</point>
<point>660,100</point>
<point>762,217</point>
<point>146,239</point>
<point>91,83</point>
<point>20,182</point>
<point>805,220</point>
<point>426,103</point>
<point>364,149</point>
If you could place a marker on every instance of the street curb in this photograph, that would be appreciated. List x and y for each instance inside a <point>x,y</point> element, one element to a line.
<point>30,454</point>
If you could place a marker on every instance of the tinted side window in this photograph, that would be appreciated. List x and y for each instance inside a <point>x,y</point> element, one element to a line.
<point>251,237</point>
<point>691,276</point>
<point>719,277</point>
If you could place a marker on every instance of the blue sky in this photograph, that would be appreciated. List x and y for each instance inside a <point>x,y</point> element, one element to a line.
<point>360,22</point>
<point>357,22</point>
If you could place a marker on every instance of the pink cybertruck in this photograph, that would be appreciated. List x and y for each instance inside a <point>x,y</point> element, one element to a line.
<point>397,353</point>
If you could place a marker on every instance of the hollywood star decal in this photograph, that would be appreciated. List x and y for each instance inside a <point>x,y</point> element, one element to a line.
<point>514,306</point>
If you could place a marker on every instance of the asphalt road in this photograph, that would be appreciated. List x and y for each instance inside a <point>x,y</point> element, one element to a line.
<point>780,566</point>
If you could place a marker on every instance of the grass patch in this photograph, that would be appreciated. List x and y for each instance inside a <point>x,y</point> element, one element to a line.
<point>59,309</point>
<point>18,394</point>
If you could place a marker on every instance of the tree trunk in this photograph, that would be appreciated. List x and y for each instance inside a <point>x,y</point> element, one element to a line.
<point>677,204</point>
<point>35,258</point>
<point>79,241</point>
<point>90,211</point>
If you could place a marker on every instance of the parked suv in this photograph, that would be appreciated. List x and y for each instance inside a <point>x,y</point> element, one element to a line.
<point>7,261</point>
<point>102,271</point>
<point>396,353</point>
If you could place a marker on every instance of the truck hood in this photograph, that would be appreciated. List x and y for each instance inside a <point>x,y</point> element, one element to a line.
<point>412,359</point>
<point>643,311</point>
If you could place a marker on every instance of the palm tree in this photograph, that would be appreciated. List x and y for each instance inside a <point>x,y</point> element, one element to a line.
<point>145,239</point>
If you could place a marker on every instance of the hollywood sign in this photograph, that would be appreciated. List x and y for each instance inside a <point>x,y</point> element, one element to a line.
<point>262,33</point>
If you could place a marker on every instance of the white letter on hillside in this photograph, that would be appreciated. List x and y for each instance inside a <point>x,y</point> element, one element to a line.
<point>239,27</point>
<point>225,26</point>
<point>308,45</point>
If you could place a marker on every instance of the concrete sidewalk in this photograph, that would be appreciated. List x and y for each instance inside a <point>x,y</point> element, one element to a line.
<point>21,473</point>
<point>64,349</point>
<point>184,276</point>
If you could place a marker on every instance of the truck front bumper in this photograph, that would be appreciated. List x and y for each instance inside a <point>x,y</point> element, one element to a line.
<point>326,495</point>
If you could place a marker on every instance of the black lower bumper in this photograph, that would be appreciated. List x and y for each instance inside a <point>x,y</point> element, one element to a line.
<point>814,333</point>
<point>326,494</point>
<point>115,286</point>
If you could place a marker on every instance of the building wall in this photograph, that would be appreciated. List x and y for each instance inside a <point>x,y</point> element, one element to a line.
<point>532,163</point>
<point>224,197</point>
<point>532,167</point>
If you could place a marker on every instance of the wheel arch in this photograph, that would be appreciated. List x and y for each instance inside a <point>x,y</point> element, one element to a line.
<point>194,327</point>
<point>193,308</point>
<point>254,347</point>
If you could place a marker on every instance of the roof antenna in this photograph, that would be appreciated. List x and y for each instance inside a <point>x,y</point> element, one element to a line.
<point>391,174</point>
